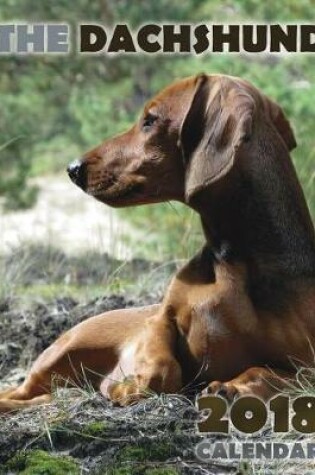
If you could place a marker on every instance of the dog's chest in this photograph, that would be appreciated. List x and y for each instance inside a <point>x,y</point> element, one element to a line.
<point>215,322</point>
<point>216,309</point>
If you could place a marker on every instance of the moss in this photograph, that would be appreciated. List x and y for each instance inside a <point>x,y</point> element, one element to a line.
<point>95,429</point>
<point>127,470</point>
<point>142,470</point>
<point>38,462</point>
<point>161,471</point>
<point>131,453</point>
<point>149,452</point>
<point>135,459</point>
<point>244,469</point>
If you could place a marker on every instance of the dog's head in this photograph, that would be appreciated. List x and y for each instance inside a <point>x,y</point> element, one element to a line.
<point>189,136</point>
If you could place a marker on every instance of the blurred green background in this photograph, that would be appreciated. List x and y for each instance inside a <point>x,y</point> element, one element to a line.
<point>55,108</point>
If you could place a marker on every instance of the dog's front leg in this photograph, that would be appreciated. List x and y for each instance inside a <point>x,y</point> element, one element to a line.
<point>156,369</point>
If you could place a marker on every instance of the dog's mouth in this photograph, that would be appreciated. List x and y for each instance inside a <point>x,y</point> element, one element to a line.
<point>117,193</point>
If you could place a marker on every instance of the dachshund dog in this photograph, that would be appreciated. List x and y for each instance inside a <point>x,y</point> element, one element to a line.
<point>241,313</point>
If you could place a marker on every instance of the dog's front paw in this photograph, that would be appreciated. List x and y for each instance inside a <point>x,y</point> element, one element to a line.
<point>228,391</point>
<point>126,392</point>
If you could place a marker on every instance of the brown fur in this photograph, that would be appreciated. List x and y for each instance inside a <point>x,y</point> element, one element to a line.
<point>238,313</point>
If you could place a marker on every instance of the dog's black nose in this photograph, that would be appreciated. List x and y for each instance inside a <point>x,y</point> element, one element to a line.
<point>77,172</point>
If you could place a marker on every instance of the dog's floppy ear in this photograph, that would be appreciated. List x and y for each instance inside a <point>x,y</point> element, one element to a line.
<point>217,123</point>
<point>280,122</point>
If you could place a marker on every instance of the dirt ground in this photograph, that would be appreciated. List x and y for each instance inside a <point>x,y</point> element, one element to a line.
<point>157,434</point>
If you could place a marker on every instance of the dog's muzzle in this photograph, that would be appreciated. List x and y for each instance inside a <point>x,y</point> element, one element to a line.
<point>78,173</point>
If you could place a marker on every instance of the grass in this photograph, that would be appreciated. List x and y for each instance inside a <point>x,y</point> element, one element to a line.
<point>31,272</point>
<point>83,293</point>
<point>155,437</point>
<point>141,439</point>
<point>11,274</point>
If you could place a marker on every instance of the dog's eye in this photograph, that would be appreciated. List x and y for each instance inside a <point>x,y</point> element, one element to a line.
<point>148,121</point>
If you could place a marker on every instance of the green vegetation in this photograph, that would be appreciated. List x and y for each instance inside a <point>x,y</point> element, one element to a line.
<point>141,470</point>
<point>95,429</point>
<point>140,460</point>
<point>32,272</point>
<point>161,471</point>
<point>172,230</point>
<point>56,108</point>
<point>38,462</point>
<point>151,451</point>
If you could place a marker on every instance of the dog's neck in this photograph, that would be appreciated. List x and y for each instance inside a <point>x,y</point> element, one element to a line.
<point>258,215</point>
